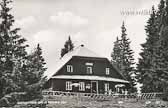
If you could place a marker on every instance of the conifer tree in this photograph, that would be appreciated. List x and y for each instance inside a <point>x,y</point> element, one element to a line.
<point>68,46</point>
<point>161,54</point>
<point>145,65</point>
<point>127,59</point>
<point>152,58</point>
<point>12,52</point>
<point>19,72</point>
<point>122,57</point>
<point>34,71</point>
<point>161,60</point>
<point>116,58</point>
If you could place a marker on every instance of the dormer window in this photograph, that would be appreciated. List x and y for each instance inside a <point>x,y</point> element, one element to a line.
<point>107,71</point>
<point>89,70</point>
<point>69,68</point>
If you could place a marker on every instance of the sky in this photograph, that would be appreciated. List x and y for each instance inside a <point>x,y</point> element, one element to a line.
<point>94,23</point>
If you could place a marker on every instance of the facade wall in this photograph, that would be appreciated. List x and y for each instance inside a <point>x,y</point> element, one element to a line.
<point>80,68</point>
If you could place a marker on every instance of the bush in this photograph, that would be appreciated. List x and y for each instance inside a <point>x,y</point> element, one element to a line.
<point>8,100</point>
<point>165,94</point>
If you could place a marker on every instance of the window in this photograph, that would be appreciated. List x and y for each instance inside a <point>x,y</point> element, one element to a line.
<point>107,71</point>
<point>68,85</point>
<point>69,68</point>
<point>89,64</point>
<point>89,70</point>
<point>107,87</point>
<point>82,86</point>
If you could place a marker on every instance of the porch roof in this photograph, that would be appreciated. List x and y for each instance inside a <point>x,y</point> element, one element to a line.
<point>86,77</point>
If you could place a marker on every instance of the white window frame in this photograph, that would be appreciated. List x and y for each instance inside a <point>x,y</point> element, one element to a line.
<point>106,87</point>
<point>89,70</point>
<point>82,86</point>
<point>69,68</point>
<point>89,64</point>
<point>107,71</point>
<point>68,85</point>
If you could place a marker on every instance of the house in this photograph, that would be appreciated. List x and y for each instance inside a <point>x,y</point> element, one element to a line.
<point>82,70</point>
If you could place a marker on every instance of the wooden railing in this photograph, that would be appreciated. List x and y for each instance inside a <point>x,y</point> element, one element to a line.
<point>59,94</point>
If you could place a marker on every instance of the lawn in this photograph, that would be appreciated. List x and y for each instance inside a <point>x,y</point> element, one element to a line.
<point>111,104</point>
<point>115,103</point>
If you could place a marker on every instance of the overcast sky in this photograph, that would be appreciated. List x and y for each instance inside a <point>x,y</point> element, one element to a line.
<point>94,23</point>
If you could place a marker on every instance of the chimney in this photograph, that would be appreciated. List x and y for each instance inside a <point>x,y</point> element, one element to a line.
<point>82,45</point>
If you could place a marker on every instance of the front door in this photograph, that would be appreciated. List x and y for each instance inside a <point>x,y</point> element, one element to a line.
<point>94,87</point>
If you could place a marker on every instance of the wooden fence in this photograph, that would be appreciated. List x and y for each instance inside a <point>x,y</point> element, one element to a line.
<point>57,95</point>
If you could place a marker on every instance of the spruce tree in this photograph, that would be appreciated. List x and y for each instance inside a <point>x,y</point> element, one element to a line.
<point>68,46</point>
<point>161,54</point>
<point>161,60</point>
<point>19,72</point>
<point>145,65</point>
<point>152,61</point>
<point>115,55</point>
<point>127,59</point>
<point>34,71</point>
<point>12,52</point>
<point>122,55</point>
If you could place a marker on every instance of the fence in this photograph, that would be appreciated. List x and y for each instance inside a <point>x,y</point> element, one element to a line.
<point>58,95</point>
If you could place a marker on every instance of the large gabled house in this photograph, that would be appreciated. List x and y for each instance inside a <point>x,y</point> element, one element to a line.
<point>82,70</point>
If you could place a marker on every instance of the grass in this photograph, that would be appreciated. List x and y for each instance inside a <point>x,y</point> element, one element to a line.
<point>114,103</point>
<point>109,104</point>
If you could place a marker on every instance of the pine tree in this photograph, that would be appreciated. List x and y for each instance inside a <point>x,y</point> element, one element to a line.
<point>122,57</point>
<point>12,52</point>
<point>34,71</point>
<point>68,46</point>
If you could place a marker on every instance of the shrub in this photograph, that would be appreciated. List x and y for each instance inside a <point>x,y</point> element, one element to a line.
<point>8,100</point>
<point>165,93</point>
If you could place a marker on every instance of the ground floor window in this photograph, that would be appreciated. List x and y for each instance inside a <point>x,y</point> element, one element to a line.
<point>68,85</point>
<point>106,87</point>
<point>82,86</point>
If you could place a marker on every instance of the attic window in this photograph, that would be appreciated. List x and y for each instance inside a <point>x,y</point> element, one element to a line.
<point>89,70</point>
<point>89,64</point>
<point>107,71</point>
<point>69,68</point>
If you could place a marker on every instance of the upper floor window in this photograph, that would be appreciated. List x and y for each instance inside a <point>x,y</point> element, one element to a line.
<point>68,85</point>
<point>69,68</point>
<point>89,70</point>
<point>107,71</point>
<point>82,86</point>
